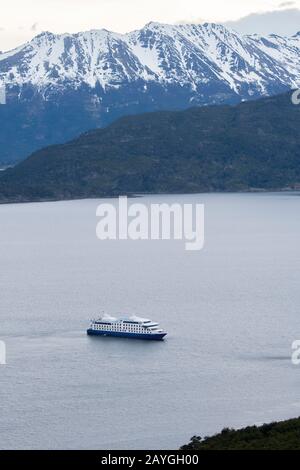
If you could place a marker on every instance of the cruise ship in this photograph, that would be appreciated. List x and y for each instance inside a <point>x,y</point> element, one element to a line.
<point>132,327</point>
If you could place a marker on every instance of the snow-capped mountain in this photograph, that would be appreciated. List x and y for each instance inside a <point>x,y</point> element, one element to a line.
<point>185,55</point>
<point>61,85</point>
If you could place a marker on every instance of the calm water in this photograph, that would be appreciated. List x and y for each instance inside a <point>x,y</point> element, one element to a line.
<point>232,311</point>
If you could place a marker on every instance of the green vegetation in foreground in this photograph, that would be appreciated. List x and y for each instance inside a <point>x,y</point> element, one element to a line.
<point>251,146</point>
<point>276,436</point>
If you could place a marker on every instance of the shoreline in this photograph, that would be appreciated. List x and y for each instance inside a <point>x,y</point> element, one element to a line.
<point>138,195</point>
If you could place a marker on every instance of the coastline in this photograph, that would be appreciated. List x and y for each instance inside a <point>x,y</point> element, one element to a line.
<point>138,195</point>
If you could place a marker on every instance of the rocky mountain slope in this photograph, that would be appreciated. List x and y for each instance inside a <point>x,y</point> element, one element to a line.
<point>61,85</point>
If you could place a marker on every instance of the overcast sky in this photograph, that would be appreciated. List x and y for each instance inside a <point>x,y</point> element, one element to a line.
<point>20,20</point>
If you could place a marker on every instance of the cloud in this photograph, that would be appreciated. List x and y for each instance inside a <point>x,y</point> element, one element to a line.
<point>282,22</point>
<point>287,4</point>
<point>34,27</point>
<point>195,21</point>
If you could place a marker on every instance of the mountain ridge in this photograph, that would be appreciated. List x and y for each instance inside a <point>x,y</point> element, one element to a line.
<point>205,39</point>
<point>59,86</point>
